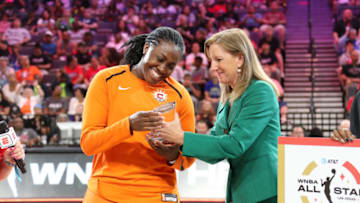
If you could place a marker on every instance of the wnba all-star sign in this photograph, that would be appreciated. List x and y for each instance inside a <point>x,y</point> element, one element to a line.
<point>318,170</point>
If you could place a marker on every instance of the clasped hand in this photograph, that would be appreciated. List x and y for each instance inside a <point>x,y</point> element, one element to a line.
<point>163,136</point>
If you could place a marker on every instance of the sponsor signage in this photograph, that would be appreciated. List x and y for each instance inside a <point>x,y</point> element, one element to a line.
<point>64,172</point>
<point>318,170</point>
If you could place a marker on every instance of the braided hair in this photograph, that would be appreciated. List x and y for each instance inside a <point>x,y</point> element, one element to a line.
<point>134,52</point>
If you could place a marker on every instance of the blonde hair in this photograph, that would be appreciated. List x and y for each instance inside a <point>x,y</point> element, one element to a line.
<point>235,41</point>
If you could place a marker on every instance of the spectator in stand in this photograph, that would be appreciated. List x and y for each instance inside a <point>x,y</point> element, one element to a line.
<point>64,81</point>
<point>212,89</point>
<point>16,35</point>
<point>199,74</point>
<point>116,42</point>
<point>345,58</point>
<point>4,48</point>
<point>26,72</point>
<point>298,131</point>
<point>142,27</point>
<point>260,4</point>
<point>5,71</point>
<point>90,43</point>
<point>95,10</point>
<point>58,9</point>
<point>207,112</point>
<point>64,45</point>
<point>344,25</point>
<point>14,56</point>
<point>282,105</point>
<point>269,61</point>
<point>27,136</point>
<point>251,20</point>
<point>110,57</point>
<point>350,36</point>
<point>83,54</point>
<point>200,37</point>
<point>316,132</point>
<point>48,46</point>
<point>65,22</point>
<point>88,22</point>
<point>40,60</point>
<point>210,27</point>
<point>352,71</point>
<point>74,71</point>
<point>76,105</point>
<point>131,18</point>
<point>193,89</point>
<point>191,18</point>
<point>184,28</point>
<point>217,9</point>
<point>27,99</point>
<point>277,20</point>
<point>274,47</point>
<point>49,130</point>
<point>121,26</point>
<point>4,23</point>
<point>4,107</point>
<point>11,88</point>
<point>76,34</point>
<point>55,104</point>
<point>202,15</point>
<point>202,127</point>
<point>45,23</point>
<point>91,70</point>
<point>178,73</point>
<point>195,51</point>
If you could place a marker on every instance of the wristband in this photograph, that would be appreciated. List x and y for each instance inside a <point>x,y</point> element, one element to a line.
<point>170,163</point>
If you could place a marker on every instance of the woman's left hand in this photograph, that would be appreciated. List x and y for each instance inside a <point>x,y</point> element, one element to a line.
<point>169,151</point>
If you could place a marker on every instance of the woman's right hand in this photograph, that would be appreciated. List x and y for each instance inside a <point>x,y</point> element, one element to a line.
<point>16,152</point>
<point>342,135</point>
<point>146,121</point>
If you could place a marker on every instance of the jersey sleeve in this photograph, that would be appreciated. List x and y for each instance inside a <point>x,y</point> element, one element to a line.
<point>97,136</point>
<point>185,109</point>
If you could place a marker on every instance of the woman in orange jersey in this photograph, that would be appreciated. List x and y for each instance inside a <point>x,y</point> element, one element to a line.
<point>118,114</point>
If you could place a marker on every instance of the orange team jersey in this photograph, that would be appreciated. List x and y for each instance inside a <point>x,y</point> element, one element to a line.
<point>125,167</point>
<point>27,74</point>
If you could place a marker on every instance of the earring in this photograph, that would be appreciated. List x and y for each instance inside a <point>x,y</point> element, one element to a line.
<point>239,70</point>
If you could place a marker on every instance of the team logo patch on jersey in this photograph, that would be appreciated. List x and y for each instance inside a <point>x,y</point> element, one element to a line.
<point>167,197</point>
<point>160,95</point>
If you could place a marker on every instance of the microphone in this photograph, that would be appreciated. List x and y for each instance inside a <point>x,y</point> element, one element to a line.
<point>8,139</point>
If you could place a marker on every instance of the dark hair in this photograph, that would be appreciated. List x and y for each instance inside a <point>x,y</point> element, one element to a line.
<point>134,52</point>
<point>113,57</point>
<point>316,132</point>
<point>69,59</point>
<point>199,59</point>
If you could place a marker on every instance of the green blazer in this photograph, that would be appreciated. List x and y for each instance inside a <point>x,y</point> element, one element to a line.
<point>246,135</point>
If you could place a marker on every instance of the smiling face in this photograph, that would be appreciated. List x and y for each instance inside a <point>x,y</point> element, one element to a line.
<point>225,64</point>
<point>159,61</point>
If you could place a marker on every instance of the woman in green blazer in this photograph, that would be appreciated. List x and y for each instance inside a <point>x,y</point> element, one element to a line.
<point>247,125</point>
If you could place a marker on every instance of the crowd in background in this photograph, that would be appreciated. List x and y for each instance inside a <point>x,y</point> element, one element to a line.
<point>51,49</point>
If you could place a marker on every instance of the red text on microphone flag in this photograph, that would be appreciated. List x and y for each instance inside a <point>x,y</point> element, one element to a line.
<point>4,141</point>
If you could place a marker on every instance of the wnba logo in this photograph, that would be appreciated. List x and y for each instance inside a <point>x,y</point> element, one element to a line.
<point>329,181</point>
